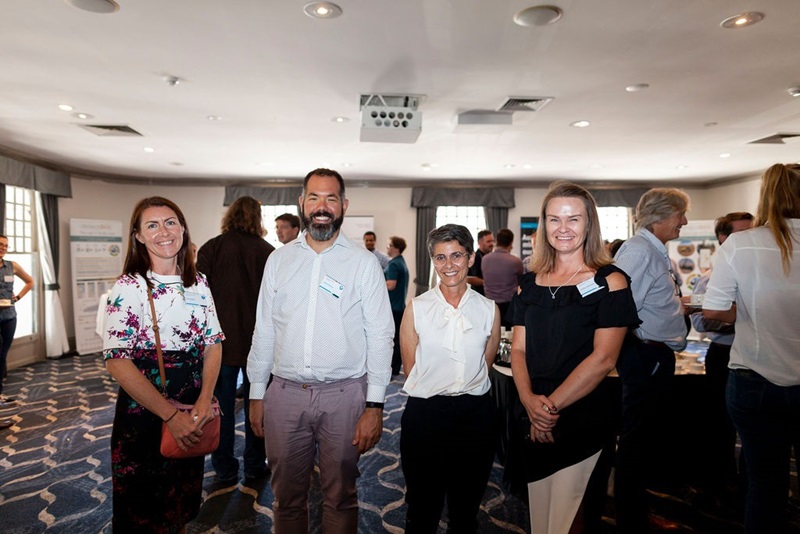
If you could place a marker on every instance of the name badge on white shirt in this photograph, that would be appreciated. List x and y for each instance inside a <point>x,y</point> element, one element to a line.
<point>331,286</point>
<point>8,278</point>
<point>588,287</point>
<point>196,299</point>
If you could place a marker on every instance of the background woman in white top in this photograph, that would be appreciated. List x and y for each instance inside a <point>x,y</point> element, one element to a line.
<point>449,433</point>
<point>756,283</point>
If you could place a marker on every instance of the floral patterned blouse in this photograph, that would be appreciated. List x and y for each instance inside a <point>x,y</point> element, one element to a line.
<point>186,316</point>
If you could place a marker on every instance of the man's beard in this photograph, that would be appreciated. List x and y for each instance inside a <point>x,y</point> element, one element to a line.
<point>322,232</point>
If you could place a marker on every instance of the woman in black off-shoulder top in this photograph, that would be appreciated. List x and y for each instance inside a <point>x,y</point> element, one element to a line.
<point>570,317</point>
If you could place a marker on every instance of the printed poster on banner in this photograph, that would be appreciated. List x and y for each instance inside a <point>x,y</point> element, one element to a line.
<point>96,254</point>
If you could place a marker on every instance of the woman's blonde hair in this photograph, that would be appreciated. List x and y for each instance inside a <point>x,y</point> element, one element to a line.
<point>780,200</point>
<point>595,254</point>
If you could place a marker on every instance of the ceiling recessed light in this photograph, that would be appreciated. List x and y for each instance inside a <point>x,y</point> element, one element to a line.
<point>172,81</point>
<point>710,124</point>
<point>794,91</point>
<point>742,20</point>
<point>509,165</point>
<point>94,6</point>
<point>82,116</point>
<point>347,164</point>
<point>724,155</point>
<point>149,149</point>
<point>635,88</point>
<point>682,167</point>
<point>580,124</point>
<point>538,16</point>
<point>527,166</point>
<point>340,119</point>
<point>65,107</point>
<point>426,167</point>
<point>176,163</point>
<point>214,118</point>
<point>322,10</point>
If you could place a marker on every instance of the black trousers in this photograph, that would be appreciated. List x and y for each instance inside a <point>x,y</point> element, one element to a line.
<point>447,447</point>
<point>720,449</point>
<point>396,360</point>
<point>646,372</point>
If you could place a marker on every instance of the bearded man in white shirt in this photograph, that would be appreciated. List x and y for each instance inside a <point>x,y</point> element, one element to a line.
<point>324,332</point>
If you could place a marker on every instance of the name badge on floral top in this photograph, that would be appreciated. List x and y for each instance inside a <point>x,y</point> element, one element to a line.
<point>196,299</point>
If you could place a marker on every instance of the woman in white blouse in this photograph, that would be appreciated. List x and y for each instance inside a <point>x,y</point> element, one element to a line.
<point>449,433</point>
<point>756,284</point>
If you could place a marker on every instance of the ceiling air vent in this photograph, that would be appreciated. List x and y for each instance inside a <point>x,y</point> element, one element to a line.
<point>525,103</point>
<point>776,139</point>
<point>111,130</point>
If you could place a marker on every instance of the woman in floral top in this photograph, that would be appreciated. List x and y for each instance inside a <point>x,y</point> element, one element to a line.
<point>153,493</point>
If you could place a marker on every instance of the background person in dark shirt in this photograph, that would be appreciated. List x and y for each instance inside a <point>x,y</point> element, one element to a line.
<point>234,263</point>
<point>396,274</point>
<point>475,273</point>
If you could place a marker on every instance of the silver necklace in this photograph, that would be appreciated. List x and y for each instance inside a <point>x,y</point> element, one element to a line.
<point>553,293</point>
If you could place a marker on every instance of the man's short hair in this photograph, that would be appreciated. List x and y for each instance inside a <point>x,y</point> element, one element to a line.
<point>483,233</point>
<point>398,242</point>
<point>293,220</point>
<point>325,172</point>
<point>658,204</point>
<point>371,233</point>
<point>724,225</point>
<point>504,238</point>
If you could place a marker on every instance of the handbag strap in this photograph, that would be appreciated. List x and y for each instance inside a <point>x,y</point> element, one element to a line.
<point>158,343</point>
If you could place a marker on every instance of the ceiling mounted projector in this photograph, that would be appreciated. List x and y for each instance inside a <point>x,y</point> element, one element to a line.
<point>390,119</point>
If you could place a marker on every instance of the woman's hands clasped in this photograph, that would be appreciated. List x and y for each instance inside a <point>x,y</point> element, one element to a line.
<point>543,414</point>
<point>186,427</point>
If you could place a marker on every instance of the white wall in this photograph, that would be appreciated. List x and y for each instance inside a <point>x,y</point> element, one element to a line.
<point>390,207</point>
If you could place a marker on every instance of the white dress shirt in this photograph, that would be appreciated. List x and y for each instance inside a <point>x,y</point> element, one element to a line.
<point>450,356</point>
<point>644,258</point>
<point>748,270</point>
<point>322,318</point>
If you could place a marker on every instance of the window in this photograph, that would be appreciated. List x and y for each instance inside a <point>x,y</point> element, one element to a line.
<point>19,229</point>
<point>268,215</point>
<point>473,217</point>
<point>615,222</point>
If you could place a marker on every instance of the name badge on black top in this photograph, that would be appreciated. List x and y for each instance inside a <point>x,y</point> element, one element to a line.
<point>588,287</point>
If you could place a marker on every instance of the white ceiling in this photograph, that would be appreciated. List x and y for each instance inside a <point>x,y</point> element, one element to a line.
<point>277,78</point>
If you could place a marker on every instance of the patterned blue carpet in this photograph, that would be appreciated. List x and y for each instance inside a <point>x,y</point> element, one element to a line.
<point>55,469</point>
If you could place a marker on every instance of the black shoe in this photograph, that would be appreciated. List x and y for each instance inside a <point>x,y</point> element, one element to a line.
<point>6,423</point>
<point>261,473</point>
<point>7,399</point>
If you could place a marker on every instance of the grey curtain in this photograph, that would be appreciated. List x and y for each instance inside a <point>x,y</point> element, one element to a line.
<point>432,197</point>
<point>30,176</point>
<point>2,209</point>
<point>618,197</point>
<point>495,201</point>
<point>426,219</point>
<point>496,219</point>
<point>50,215</point>
<point>269,196</point>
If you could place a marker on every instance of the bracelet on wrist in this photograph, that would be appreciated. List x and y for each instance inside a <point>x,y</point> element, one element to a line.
<point>168,419</point>
<point>370,404</point>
